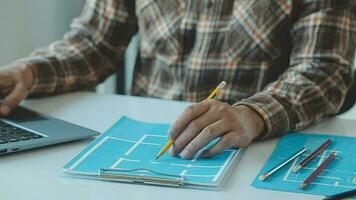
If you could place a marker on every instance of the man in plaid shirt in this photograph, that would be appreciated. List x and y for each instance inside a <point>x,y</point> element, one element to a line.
<point>288,63</point>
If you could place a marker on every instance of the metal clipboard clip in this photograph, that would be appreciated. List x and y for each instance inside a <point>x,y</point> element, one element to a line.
<point>119,174</point>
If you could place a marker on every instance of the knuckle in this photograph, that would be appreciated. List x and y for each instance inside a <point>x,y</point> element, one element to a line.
<point>230,120</point>
<point>225,108</point>
<point>177,145</point>
<point>190,110</point>
<point>190,107</point>
<point>226,141</point>
<point>241,141</point>
<point>245,141</point>
<point>194,126</point>
<point>209,131</point>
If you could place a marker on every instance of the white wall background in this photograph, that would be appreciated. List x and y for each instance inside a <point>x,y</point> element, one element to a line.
<point>28,24</point>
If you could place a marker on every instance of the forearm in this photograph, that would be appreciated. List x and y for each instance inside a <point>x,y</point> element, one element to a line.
<point>287,105</point>
<point>320,72</point>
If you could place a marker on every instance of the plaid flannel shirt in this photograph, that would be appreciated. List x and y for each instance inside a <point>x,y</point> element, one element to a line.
<point>289,60</point>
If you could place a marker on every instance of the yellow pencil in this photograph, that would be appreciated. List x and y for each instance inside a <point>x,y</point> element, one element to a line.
<point>171,141</point>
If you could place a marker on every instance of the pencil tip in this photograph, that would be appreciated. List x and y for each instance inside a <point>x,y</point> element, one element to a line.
<point>262,177</point>
<point>157,157</point>
<point>302,186</point>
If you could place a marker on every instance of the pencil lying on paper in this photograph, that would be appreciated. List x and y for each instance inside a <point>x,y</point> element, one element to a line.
<point>170,142</point>
<point>317,171</point>
<point>312,155</point>
<point>341,195</point>
<point>265,175</point>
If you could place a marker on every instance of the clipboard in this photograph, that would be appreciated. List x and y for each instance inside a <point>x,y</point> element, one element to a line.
<point>126,153</point>
<point>168,180</point>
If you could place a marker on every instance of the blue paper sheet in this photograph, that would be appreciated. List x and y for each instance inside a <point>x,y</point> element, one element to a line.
<point>131,144</point>
<point>339,175</point>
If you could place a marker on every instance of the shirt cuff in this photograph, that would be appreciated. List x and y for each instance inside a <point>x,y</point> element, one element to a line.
<point>273,113</point>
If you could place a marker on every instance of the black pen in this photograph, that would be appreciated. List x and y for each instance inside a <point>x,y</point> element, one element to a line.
<point>341,195</point>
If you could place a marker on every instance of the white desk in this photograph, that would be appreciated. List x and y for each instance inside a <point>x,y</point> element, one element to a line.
<point>36,174</point>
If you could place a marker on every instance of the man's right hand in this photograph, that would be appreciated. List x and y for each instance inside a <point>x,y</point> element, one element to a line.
<point>16,82</point>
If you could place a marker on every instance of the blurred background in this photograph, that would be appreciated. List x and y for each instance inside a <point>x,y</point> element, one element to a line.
<point>29,24</point>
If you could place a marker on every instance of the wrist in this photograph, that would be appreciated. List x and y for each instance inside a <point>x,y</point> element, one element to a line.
<point>254,121</point>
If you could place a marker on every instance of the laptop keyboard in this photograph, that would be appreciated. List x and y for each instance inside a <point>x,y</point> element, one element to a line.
<point>10,133</point>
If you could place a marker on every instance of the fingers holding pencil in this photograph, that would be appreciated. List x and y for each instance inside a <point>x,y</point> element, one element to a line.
<point>191,113</point>
<point>206,123</point>
<point>236,126</point>
<point>193,141</point>
<point>176,127</point>
<point>178,124</point>
<point>200,123</point>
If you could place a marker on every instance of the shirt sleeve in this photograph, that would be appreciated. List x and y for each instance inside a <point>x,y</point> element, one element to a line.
<point>320,72</point>
<point>90,52</point>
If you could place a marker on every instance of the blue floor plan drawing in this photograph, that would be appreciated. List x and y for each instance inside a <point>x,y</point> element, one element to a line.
<point>133,145</point>
<point>340,174</point>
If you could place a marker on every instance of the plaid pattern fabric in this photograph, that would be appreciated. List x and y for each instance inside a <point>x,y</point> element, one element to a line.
<point>291,61</point>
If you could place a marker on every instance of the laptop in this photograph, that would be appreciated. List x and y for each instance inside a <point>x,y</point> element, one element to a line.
<point>25,129</point>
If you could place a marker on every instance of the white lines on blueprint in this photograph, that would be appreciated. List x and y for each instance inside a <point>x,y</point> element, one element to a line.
<point>334,181</point>
<point>130,151</point>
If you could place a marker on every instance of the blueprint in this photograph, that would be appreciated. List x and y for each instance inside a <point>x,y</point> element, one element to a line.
<point>131,144</point>
<point>338,176</point>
